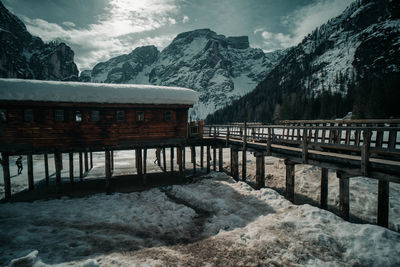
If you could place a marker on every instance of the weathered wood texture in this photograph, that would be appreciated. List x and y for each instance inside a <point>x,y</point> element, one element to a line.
<point>6,175</point>
<point>46,168</point>
<point>235,164</point>
<point>31,183</point>
<point>290,180</point>
<point>71,167</point>
<point>44,132</point>
<point>324,189</point>
<point>383,203</point>
<point>344,195</point>
<point>260,170</point>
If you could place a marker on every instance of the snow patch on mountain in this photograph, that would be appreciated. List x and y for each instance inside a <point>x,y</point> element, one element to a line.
<point>220,68</point>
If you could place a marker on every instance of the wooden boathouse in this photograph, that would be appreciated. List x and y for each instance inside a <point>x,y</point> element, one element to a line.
<point>39,117</point>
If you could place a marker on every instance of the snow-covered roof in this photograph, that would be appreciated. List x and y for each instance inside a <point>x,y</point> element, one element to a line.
<point>55,91</point>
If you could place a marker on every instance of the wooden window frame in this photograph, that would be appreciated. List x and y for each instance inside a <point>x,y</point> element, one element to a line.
<point>118,116</point>
<point>58,115</point>
<point>3,115</point>
<point>76,113</point>
<point>140,117</point>
<point>28,115</point>
<point>168,116</point>
<point>92,117</point>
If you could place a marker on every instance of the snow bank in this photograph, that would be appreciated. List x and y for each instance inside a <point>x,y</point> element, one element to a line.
<point>225,223</point>
<point>34,90</point>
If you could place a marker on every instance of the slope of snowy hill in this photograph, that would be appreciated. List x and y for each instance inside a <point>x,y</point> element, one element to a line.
<point>25,56</point>
<point>220,68</point>
<point>362,44</point>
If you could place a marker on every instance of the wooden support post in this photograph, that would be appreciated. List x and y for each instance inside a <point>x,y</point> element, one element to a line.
<point>365,152</point>
<point>6,176</point>
<point>112,160</point>
<point>324,189</point>
<point>214,158</point>
<point>344,195</point>
<point>193,149</point>
<point>158,156</point>
<point>91,160</point>
<point>172,159</point>
<point>80,167</point>
<point>58,165</point>
<point>30,172</point>
<point>220,159</point>
<point>164,160</point>
<point>235,164</point>
<point>289,180</point>
<point>180,159</point>
<point>145,166</point>
<point>208,158</point>
<point>260,170</point>
<point>108,171</point>
<point>244,164</point>
<point>227,135</point>
<point>383,203</point>
<point>202,157</point>
<point>46,168</point>
<point>71,167</point>
<point>139,161</point>
<point>305,146</point>
<point>86,162</point>
<point>183,157</point>
<point>392,139</point>
<point>269,142</point>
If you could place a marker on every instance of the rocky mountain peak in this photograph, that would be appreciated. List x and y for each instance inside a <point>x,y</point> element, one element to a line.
<point>25,56</point>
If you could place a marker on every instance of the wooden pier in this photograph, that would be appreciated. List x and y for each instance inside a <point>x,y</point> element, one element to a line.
<point>369,148</point>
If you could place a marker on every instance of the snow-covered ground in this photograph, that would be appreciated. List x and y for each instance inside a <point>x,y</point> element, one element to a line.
<point>214,221</point>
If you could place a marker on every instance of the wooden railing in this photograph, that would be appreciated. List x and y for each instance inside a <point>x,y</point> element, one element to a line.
<point>381,138</point>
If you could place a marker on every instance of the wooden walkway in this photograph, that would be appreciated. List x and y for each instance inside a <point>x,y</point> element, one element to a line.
<point>369,148</point>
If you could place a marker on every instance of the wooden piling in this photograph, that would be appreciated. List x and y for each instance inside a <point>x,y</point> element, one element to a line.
<point>86,161</point>
<point>158,156</point>
<point>269,142</point>
<point>235,164</point>
<point>220,159</point>
<point>193,149</point>
<point>344,195</point>
<point>290,180</point>
<point>58,165</point>
<point>71,167</point>
<point>139,162</point>
<point>383,203</point>
<point>183,157</point>
<point>324,189</point>
<point>91,160</point>
<point>164,160</point>
<point>214,158</point>
<point>6,175</point>
<point>208,158</point>
<point>145,166</point>
<point>201,157</point>
<point>180,160</point>
<point>30,172</point>
<point>108,171</point>
<point>46,168</point>
<point>172,159</point>
<point>112,160</point>
<point>80,167</point>
<point>260,170</point>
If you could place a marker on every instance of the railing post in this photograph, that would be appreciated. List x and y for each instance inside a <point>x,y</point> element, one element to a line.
<point>269,141</point>
<point>365,152</point>
<point>227,136</point>
<point>305,146</point>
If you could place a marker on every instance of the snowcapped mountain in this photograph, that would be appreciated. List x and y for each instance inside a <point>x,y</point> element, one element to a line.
<point>339,67</point>
<point>25,56</point>
<point>220,68</point>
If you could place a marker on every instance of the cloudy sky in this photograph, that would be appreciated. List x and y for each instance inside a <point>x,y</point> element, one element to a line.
<point>100,29</point>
